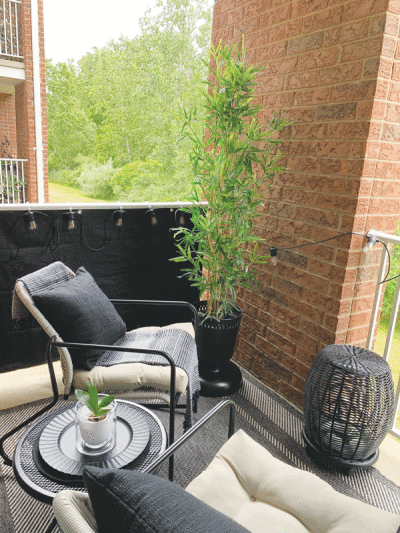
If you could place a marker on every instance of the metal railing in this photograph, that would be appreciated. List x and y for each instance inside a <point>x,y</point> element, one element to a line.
<point>9,30</point>
<point>12,181</point>
<point>387,239</point>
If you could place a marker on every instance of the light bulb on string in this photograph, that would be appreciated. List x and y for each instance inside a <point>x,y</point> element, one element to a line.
<point>181,218</point>
<point>71,220</point>
<point>120,218</point>
<point>370,244</point>
<point>273,254</point>
<point>153,218</point>
<point>31,220</point>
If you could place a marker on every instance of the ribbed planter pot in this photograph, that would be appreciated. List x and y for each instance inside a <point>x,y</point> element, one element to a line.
<point>219,376</point>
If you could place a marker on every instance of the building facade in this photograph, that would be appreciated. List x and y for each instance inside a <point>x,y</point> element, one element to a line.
<point>23,125</point>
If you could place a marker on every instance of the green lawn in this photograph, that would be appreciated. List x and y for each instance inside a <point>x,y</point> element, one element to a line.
<point>394,357</point>
<point>61,194</point>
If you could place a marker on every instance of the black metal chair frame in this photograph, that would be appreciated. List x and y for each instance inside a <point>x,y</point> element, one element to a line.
<point>49,360</point>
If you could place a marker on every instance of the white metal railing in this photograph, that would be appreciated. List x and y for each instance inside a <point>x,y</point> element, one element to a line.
<point>9,37</point>
<point>387,239</point>
<point>12,181</point>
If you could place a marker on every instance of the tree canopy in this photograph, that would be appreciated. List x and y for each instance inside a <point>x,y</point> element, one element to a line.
<point>118,104</point>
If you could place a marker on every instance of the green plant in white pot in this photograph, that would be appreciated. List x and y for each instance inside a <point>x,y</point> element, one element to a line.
<point>95,421</point>
<point>234,160</point>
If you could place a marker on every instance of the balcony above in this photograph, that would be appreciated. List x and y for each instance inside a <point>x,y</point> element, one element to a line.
<point>11,74</point>
<point>10,45</point>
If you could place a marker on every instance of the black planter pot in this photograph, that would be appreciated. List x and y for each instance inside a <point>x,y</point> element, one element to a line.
<point>216,343</point>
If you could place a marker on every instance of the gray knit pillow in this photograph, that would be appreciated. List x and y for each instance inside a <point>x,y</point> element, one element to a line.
<point>80,312</point>
<point>129,501</point>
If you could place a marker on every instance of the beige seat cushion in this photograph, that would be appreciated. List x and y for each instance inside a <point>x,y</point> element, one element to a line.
<point>263,494</point>
<point>134,375</point>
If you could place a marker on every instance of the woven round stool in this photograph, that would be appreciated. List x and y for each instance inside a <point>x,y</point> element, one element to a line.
<point>348,405</point>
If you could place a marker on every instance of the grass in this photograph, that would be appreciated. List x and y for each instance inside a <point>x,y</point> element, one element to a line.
<point>62,194</point>
<point>394,356</point>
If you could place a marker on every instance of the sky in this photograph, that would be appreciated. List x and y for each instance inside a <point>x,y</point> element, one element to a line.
<point>73,28</point>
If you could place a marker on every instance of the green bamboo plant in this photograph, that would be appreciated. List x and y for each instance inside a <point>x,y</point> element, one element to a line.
<point>90,398</point>
<point>233,158</point>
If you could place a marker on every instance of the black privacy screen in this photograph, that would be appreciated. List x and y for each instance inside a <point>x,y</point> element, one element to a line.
<point>131,261</point>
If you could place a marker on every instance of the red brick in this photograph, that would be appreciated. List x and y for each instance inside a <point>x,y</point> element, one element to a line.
<point>360,90</point>
<point>275,16</point>
<point>363,8</point>
<point>388,170</point>
<point>293,395</point>
<point>330,149</point>
<point>347,33</point>
<point>361,50</point>
<point>304,7</point>
<point>313,96</point>
<point>336,111</point>
<point>256,7</point>
<point>319,58</point>
<point>324,19</point>
<point>305,43</point>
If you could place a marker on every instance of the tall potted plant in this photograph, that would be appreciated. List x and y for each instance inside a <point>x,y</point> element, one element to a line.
<point>233,158</point>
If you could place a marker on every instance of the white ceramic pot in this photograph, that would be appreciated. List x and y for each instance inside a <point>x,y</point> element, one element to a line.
<point>95,433</point>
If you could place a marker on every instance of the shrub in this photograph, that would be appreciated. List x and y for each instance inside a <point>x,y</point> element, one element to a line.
<point>95,179</point>
<point>142,181</point>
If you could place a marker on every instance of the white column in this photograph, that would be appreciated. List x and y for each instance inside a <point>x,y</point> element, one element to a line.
<point>37,99</point>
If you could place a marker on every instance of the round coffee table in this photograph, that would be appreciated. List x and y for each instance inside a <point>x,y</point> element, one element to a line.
<point>40,480</point>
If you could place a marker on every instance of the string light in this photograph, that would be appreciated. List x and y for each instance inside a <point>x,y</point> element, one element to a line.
<point>273,254</point>
<point>182,220</point>
<point>370,244</point>
<point>71,220</point>
<point>120,218</point>
<point>31,220</point>
<point>153,218</point>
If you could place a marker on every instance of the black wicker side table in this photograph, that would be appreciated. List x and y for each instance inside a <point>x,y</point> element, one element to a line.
<point>348,406</point>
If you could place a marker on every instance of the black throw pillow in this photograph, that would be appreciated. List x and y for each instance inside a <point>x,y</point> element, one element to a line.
<point>80,312</point>
<point>129,501</point>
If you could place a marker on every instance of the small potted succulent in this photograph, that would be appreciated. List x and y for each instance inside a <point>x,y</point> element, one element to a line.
<point>95,421</point>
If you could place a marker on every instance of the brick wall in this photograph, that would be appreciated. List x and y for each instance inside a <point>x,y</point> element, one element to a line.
<point>24,97</point>
<point>332,67</point>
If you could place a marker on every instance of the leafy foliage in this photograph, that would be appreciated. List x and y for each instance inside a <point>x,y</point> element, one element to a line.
<point>391,285</point>
<point>118,103</point>
<point>232,168</point>
<point>95,179</point>
<point>91,399</point>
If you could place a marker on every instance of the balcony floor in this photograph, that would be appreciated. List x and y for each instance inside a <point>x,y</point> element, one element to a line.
<point>32,384</point>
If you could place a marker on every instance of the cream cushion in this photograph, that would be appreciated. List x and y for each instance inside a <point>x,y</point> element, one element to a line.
<point>134,375</point>
<point>263,494</point>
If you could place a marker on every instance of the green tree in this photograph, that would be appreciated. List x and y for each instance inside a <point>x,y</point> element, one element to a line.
<point>119,102</point>
<point>70,131</point>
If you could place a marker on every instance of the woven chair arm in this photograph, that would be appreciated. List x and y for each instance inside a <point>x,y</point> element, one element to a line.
<point>74,512</point>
